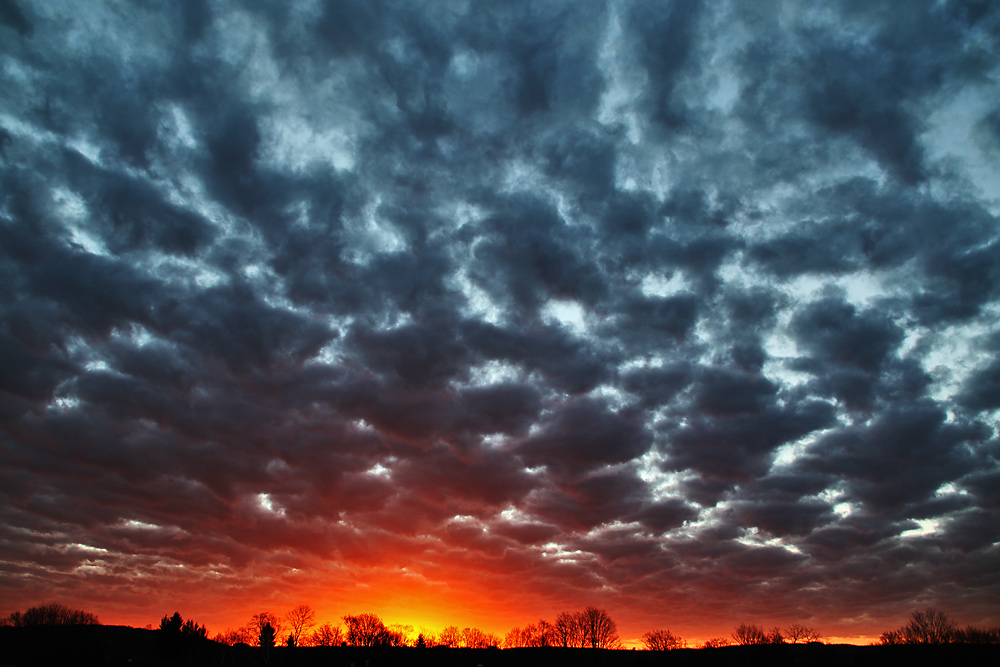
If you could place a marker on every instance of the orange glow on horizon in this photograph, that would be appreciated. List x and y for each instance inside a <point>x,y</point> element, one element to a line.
<point>491,595</point>
<point>429,620</point>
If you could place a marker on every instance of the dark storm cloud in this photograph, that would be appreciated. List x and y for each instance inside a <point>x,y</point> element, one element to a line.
<point>583,435</point>
<point>528,256</point>
<point>914,441</point>
<point>12,16</point>
<point>833,331</point>
<point>614,292</point>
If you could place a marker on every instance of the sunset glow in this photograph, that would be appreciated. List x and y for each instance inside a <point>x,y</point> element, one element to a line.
<point>472,313</point>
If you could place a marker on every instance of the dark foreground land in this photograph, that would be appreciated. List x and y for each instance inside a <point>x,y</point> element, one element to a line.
<point>112,646</point>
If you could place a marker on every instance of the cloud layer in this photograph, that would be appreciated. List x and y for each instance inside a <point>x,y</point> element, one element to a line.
<point>499,309</point>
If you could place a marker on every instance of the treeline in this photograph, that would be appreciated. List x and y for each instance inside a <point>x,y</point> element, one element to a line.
<point>934,627</point>
<point>590,628</point>
<point>49,614</point>
<point>744,635</point>
<point>748,634</point>
<point>175,625</point>
<point>291,629</point>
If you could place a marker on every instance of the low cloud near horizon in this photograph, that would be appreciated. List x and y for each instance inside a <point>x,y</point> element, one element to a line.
<point>479,312</point>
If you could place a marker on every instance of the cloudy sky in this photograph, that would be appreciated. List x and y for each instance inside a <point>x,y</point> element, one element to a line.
<point>475,312</point>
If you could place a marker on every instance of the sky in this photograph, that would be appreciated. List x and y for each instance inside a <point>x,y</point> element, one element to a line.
<point>471,313</point>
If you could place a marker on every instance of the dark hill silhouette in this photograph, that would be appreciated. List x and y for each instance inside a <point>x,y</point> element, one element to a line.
<point>86,645</point>
<point>118,646</point>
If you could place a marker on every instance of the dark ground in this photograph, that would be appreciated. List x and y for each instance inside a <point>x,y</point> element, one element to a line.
<point>111,646</point>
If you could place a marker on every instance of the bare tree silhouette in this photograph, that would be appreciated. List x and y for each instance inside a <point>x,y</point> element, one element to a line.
<point>749,635</point>
<point>476,638</point>
<point>327,635</point>
<point>567,630</point>
<point>365,630</point>
<point>52,613</point>
<point>600,631</point>
<point>300,619</point>
<point>973,634</point>
<point>716,642</point>
<point>539,635</point>
<point>929,627</point>
<point>661,640</point>
<point>450,636</point>
<point>925,627</point>
<point>798,632</point>
<point>257,623</point>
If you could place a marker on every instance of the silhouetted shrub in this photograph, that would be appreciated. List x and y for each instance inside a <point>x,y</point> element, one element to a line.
<point>976,635</point>
<point>890,638</point>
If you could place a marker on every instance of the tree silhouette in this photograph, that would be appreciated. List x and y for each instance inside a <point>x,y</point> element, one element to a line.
<point>716,642</point>
<point>50,614</point>
<point>171,624</point>
<point>661,640</point>
<point>514,638</point>
<point>327,635</point>
<point>797,632</point>
<point>257,623</point>
<point>537,635</point>
<point>890,638</point>
<point>175,625</point>
<point>300,619</point>
<point>365,630</point>
<point>450,636</point>
<point>542,634</point>
<point>243,635</point>
<point>397,635</point>
<point>193,629</point>
<point>567,630</point>
<point>749,635</point>
<point>929,627</point>
<point>476,638</point>
<point>266,639</point>
<point>973,634</point>
<point>925,627</point>
<point>599,630</point>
